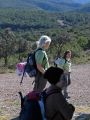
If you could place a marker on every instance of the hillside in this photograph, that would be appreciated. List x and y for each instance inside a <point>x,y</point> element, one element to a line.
<point>85,8</point>
<point>50,5</point>
<point>28,23</point>
<point>47,5</point>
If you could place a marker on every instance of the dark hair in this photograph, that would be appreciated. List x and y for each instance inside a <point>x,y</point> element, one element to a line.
<point>65,54</point>
<point>53,74</point>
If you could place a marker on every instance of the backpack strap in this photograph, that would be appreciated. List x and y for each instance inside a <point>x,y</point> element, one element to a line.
<point>35,53</point>
<point>22,75</point>
<point>35,60</point>
<point>38,50</point>
<point>45,94</point>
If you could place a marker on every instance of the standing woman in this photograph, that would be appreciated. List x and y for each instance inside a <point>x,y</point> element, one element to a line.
<point>41,62</point>
<point>67,71</point>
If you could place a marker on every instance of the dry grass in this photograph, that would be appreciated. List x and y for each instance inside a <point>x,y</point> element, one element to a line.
<point>83,109</point>
<point>4,117</point>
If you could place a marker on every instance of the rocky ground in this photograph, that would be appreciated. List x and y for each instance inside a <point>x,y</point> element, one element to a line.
<point>79,92</point>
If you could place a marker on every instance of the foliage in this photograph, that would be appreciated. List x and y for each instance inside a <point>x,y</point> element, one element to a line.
<point>7,44</point>
<point>69,30</point>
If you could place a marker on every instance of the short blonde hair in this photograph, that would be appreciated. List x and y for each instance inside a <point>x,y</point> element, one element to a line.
<point>43,40</point>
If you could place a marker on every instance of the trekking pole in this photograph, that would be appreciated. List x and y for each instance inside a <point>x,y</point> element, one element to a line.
<point>22,76</point>
<point>33,82</point>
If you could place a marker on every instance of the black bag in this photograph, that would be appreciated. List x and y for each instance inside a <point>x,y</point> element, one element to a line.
<point>30,67</point>
<point>33,105</point>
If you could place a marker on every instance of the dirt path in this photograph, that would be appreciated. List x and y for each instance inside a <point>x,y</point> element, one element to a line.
<point>80,87</point>
<point>79,91</point>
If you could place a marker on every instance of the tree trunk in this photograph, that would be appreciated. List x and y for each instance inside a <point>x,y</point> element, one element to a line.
<point>6,59</point>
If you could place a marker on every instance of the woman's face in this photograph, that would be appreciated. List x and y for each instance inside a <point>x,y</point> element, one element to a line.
<point>68,55</point>
<point>47,44</point>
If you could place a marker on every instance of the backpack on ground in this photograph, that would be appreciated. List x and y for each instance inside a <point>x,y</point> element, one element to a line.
<point>30,66</point>
<point>33,105</point>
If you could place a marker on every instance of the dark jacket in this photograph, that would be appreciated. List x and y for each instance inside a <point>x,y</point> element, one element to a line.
<point>57,108</point>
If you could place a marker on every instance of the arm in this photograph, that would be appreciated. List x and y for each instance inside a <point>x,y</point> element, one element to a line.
<point>39,56</point>
<point>40,68</point>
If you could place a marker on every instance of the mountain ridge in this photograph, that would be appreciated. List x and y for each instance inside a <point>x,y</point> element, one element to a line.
<point>47,5</point>
<point>51,5</point>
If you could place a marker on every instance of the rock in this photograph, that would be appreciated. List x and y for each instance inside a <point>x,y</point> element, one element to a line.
<point>81,116</point>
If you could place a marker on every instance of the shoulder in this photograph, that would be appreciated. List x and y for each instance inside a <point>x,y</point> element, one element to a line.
<point>39,52</point>
<point>53,90</point>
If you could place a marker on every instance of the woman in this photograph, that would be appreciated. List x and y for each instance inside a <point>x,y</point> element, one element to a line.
<point>42,63</point>
<point>67,71</point>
